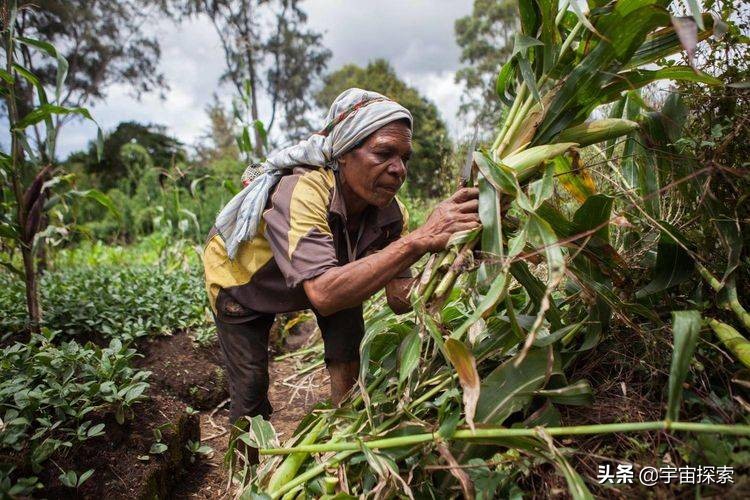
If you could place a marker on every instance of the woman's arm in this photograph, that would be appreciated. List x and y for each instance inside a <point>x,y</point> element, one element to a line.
<point>347,286</point>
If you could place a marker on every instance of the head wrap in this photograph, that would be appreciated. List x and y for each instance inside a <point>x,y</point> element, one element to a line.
<point>354,115</point>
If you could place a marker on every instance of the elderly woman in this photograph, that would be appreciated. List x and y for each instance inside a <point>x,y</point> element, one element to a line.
<point>330,235</point>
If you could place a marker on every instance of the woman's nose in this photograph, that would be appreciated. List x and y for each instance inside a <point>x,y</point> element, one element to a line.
<point>397,168</point>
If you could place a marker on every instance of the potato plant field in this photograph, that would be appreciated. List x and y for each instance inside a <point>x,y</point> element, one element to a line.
<point>595,327</point>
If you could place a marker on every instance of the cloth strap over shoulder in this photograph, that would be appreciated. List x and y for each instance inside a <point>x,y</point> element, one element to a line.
<point>354,115</point>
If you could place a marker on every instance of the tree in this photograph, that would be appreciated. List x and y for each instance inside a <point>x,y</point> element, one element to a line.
<point>219,141</point>
<point>485,38</point>
<point>427,176</point>
<point>103,43</point>
<point>291,56</point>
<point>163,150</point>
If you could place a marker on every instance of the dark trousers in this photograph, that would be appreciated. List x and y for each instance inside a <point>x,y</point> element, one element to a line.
<point>244,344</point>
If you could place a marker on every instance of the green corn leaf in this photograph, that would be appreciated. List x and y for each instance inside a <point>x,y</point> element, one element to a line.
<point>521,47</point>
<point>501,179</point>
<point>408,355</point>
<point>508,389</point>
<point>635,79</point>
<point>542,236</point>
<point>46,111</point>
<point>665,42</point>
<point>49,49</point>
<point>486,305</point>
<point>504,80</point>
<point>535,288</point>
<point>99,197</point>
<point>583,18</point>
<point>549,34</point>
<point>492,235</point>
<point>6,77</point>
<point>673,264</point>
<point>685,328</point>
<point>594,214</point>
<point>529,15</point>
<point>625,29</point>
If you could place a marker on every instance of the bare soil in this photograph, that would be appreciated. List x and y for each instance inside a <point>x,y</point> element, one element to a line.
<point>123,466</point>
<point>184,370</point>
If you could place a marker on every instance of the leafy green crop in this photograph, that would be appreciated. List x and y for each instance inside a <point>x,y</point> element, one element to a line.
<point>124,302</point>
<point>48,391</point>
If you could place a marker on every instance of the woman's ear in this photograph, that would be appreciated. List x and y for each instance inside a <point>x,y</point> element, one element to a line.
<point>343,159</point>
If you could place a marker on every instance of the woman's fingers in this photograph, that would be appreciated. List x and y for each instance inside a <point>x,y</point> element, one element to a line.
<point>469,206</point>
<point>465,194</point>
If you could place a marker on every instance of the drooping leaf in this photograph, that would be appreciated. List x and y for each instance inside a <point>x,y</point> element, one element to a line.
<point>508,389</point>
<point>635,79</point>
<point>45,111</point>
<point>466,367</point>
<point>673,264</point>
<point>577,394</point>
<point>99,197</point>
<point>62,63</point>
<point>685,328</point>
<point>408,355</point>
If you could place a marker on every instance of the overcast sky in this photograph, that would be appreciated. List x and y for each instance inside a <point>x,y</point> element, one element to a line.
<point>416,36</point>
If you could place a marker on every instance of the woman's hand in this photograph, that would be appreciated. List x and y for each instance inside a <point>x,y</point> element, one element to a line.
<point>457,213</point>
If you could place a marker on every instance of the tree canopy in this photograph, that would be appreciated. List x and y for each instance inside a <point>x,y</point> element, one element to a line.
<point>268,36</point>
<point>162,150</point>
<point>485,38</point>
<point>431,145</point>
<point>103,42</point>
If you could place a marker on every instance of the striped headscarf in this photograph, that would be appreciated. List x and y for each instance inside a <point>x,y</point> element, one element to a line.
<point>354,115</point>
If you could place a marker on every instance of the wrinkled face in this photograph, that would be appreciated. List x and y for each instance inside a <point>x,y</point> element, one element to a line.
<point>375,171</point>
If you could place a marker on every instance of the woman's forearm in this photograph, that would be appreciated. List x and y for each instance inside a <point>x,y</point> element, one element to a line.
<point>349,285</point>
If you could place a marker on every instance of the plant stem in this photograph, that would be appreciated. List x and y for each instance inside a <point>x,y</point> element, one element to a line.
<point>732,299</point>
<point>321,467</point>
<point>446,284</point>
<point>16,149</point>
<point>520,96</point>
<point>492,433</point>
<point>518,118</point>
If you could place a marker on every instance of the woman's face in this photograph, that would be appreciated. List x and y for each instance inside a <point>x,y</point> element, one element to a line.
<point>375,171</point>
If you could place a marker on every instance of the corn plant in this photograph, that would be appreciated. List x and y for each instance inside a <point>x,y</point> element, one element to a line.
<point>474,375</point>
